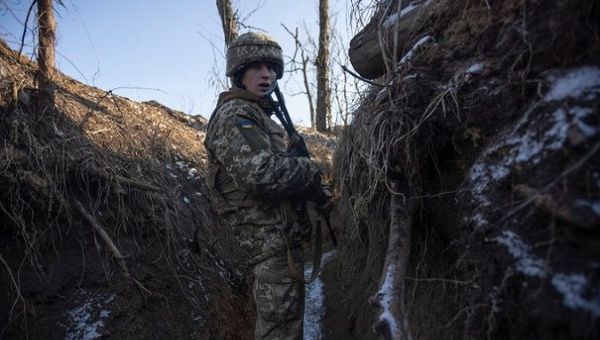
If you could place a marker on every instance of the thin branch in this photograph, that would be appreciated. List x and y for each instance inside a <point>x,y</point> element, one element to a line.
<point>25,27</point>
<point>359,77</point>
<point>12,278</point>
<point>114,251</point>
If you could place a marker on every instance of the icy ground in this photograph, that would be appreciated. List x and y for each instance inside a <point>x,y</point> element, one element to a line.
<point>314,309</point>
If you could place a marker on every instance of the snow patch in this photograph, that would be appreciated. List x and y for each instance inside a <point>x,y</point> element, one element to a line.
<point>385,299</point>
<point>413,51</point>
<point>192,173</point>
<point>394,18</point>
<point>572,287</point>
<point>475,68</point>
<point>479,220</point>
<point>579,115</point>
<point>88,320</point>
<point>527,263</point>
<point>530,139</point>
<point>481,175</point>
<point>314,310</point>
<point>582,82</point>
<point>186,200</point>
<point>593,205</point>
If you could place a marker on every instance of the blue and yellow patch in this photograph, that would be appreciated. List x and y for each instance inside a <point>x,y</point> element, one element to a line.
<point>246,124</point>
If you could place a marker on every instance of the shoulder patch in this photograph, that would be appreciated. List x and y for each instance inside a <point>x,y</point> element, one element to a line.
<point>253,134</point>
<point>246,123</point>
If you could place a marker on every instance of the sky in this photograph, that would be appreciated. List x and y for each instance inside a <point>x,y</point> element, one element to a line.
<point>168,51</point>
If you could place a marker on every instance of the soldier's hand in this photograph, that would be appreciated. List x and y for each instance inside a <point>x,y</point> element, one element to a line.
<point>324,201</point>
<point>296,146</point>
<point>325,209</point>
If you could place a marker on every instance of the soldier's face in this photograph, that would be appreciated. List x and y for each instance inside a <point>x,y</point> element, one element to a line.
<point>258,78</point>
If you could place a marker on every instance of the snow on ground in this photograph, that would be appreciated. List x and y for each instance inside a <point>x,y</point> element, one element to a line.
<point>573,287</point>
<point>314,309</point>
<point>88,320</point>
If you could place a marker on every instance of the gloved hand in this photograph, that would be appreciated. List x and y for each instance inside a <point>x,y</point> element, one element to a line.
<point>296,147</point>
<point>324,201</point>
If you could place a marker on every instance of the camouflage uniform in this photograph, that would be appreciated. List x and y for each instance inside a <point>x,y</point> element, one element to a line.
<point>251,181</point>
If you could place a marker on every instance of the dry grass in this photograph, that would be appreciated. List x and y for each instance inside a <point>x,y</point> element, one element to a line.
<point>98,165</point>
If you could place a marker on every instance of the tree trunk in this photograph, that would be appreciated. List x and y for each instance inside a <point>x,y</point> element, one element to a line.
<point>323,90</point>
<point>46,48</point>
<point>371,49</point>
<point>228,20</point>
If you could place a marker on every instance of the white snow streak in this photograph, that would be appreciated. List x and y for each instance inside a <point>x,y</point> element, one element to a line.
<point>413,51</point>
<point>583,82</point>
<point>394,18</point>
<point>572,287</point>
<point>527,263</point>
<point>314,310</point>
<point>579,115</point>
<point>385,299</point>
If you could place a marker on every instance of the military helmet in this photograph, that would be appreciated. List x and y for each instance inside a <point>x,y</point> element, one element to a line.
<point>254,47</point>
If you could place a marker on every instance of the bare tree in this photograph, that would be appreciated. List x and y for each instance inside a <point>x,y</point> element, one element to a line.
<point>323,89</point>
<point>302,66</point>
<point>46,47</point>
<point>229,20</point>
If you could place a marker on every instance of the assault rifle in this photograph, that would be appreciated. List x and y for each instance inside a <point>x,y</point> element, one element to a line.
<point>297,146</point>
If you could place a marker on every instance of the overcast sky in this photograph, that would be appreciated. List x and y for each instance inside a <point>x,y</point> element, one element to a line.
<point>163,45</point>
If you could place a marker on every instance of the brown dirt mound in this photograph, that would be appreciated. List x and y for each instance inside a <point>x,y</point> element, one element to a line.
<point>98,176</point>
<point>494,125</point>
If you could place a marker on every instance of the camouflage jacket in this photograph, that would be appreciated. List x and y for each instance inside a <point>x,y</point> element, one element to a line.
<point>249,177</point>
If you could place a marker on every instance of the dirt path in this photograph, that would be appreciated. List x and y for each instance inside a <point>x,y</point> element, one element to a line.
<point>314,301</point>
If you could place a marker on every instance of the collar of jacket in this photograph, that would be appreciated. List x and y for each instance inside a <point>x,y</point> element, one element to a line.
<point>268,104</point>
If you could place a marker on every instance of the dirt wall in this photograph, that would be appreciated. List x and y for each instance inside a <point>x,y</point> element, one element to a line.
<point>493,123</point>
<point>105,225</point>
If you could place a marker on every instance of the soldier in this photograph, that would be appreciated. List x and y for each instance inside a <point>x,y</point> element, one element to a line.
<point>253,182</point>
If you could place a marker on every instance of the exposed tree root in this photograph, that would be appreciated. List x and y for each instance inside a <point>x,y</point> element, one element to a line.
<point>114,251</point>
<point>14,282</point>
<point>392,322</point>
<point>549,205</point>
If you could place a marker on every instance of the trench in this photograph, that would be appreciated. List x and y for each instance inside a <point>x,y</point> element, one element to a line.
<point>314,301</point>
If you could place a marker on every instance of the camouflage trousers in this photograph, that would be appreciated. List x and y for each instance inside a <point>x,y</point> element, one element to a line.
<point>279,300</point>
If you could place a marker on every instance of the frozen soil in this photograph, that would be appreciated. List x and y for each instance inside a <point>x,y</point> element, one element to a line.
<point>493,123</point>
